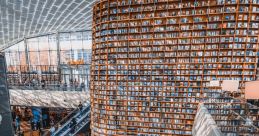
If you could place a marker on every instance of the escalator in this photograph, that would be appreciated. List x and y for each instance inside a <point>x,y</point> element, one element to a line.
<point>74,123</point>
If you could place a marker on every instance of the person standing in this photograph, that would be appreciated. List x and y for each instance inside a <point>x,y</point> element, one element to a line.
<point>38,127</point>
<point>52,122</point>
<point>72,125</point>
<point>32,123</point>
<point>44,120</point>
<point>52,130</point>
<point>65,87</point>
<point>43,84</point>
<point>17,123</point>
<point>80,106</point>
<point>82,86</point>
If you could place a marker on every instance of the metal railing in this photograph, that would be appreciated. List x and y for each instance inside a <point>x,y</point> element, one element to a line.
<point>50,88</point>
<point>233,115</point>
<point>63,121</point>
<point>82,118</point>
<point>81,122</point>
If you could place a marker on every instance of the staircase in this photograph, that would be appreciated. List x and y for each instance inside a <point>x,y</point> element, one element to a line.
<point>82,120</point>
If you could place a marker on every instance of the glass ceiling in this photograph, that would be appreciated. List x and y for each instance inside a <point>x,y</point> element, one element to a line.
<point>20,19</point>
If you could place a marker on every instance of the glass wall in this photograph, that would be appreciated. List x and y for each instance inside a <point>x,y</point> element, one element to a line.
<point>52,62</point>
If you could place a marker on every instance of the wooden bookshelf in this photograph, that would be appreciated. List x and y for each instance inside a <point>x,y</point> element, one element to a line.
<point>152,60</point>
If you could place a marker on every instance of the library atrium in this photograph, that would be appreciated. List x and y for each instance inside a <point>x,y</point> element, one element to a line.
<point>129,67</point>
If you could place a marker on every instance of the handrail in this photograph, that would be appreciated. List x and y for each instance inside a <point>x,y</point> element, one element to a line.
<point>63,121</point>
<point>87,121</point>
<point>79,122</point>
<point>74,115</point>
<point>49,87</point>
<point>232,111</point>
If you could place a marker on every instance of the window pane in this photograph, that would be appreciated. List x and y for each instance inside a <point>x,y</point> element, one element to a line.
<point>53,58</point>
<point>43,43</point>
<point>22,58</point>
<point>32,44</point>
<point>33,58</point>
<point>64,57</point>
<point>44,57</point>
<point>65,45</point>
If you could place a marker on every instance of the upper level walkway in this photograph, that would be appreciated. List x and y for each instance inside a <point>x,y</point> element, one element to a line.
<point>43,98</point>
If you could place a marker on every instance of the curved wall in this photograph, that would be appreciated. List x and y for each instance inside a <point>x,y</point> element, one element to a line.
<point>153,59</point>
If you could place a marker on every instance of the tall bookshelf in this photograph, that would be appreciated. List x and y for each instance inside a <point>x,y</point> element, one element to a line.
<point>153,59</point>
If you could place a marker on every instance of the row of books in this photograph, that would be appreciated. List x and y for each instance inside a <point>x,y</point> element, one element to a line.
<point>238,130</point>
<point>186,56</point>
<point>224,50</point>
<point>185,17</point>
<point>194,34</point>
<point>184,34</point>
<point>238,38</point>
<point>142,98</point>
<point>231,123</point>
<point>167,87</point>
<point>182,40</point>
<point>170,21</point>
<point>181,99</point>
<point>127,47</point>
<point>168,61</point>
<point>186,78</point>
<point>162,53</point>
<point>143,85</point>
<point>204,72</point>
<point>165,13</point>
<point>169,91</point>
<point>123,69</point>
<point>175,4</point>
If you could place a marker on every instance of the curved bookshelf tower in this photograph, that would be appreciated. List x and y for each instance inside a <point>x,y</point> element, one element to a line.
<point>153,59</point>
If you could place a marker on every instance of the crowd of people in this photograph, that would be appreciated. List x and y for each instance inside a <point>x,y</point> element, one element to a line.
<point>36,122</point>
<point>20,114</point>
<point>41,121</point>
